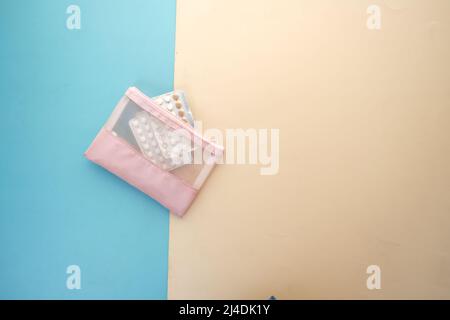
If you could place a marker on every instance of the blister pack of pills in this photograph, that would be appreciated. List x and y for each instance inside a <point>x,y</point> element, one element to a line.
<point>155,149</point>
<point>175,102</point>
<point>164,147</point>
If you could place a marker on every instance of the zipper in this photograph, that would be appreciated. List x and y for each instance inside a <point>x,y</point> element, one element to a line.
<point>133,92</point>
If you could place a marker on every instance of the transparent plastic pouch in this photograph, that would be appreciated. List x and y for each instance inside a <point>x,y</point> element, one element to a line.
<point>156,152</point>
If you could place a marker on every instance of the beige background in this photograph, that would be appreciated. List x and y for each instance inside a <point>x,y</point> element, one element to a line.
<point>364,119</point>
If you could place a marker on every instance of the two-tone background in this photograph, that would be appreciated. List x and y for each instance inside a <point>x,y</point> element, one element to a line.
<point>364,119</point>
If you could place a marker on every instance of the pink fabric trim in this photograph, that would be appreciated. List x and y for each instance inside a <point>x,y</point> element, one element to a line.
<point>118,157</point>
<point>149,105</point>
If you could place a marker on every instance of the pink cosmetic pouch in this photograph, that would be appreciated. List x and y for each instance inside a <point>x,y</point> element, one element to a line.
<point>154,151</point>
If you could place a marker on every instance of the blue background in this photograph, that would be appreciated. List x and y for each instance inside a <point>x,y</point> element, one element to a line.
<point>58,87</point>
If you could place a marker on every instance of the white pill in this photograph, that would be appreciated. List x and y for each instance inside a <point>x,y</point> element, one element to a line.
<point>143,120</point>
<point>142,139</point>
<point>167,98</point>
<point>135,122</point>
<point>150,154</point>
<point>170,107</point>
<point>159,101</point>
